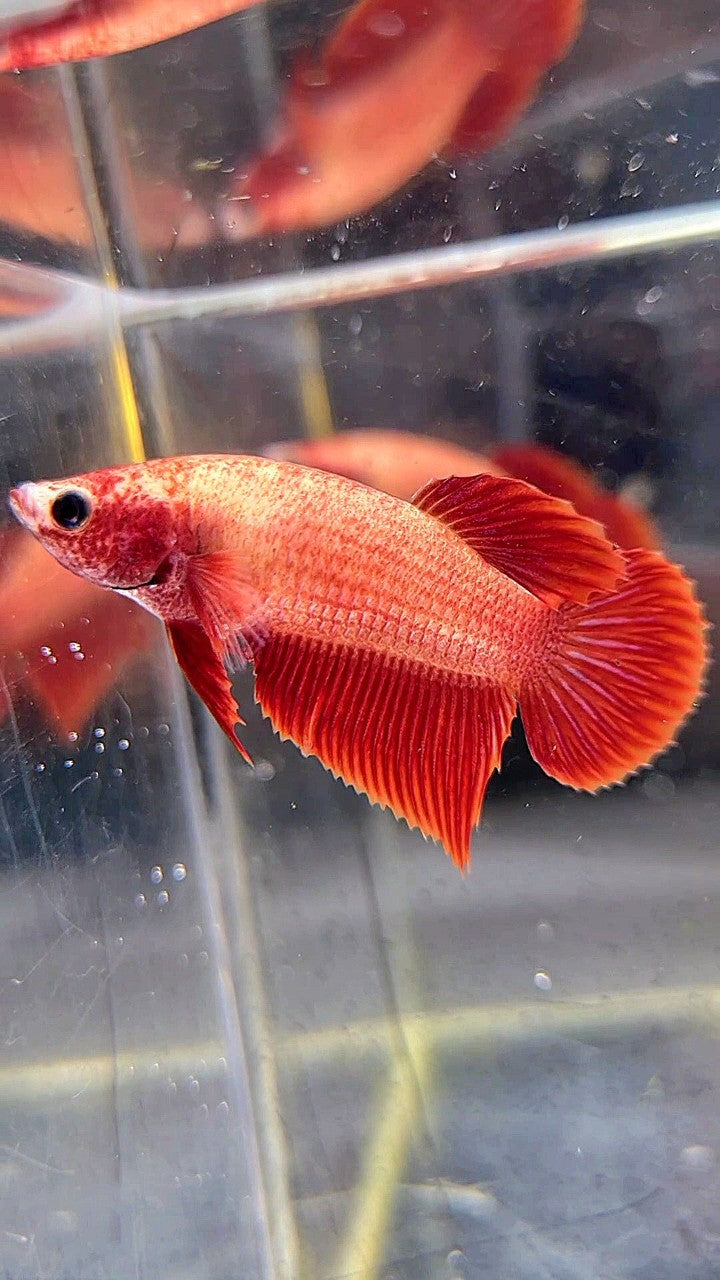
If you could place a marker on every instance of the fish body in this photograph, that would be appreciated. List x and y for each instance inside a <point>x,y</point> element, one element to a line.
<point>395,640</point>
<point>395,85</point>
<point>96,28</point>
<point>399,462</point>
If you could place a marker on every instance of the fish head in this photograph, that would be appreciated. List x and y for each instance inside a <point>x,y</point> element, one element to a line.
<point>117,527</point>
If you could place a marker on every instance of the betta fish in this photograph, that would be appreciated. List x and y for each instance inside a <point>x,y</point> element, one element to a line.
<point>395,640</point>
<point>397,82</point>
<point>63,639</point>
<point>399,462</point>
<point>95,28</point>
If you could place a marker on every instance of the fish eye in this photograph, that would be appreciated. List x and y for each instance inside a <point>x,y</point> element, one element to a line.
<point>71,509</point>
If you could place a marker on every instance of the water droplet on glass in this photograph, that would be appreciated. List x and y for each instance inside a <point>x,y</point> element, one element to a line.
<point>264,771</point>
<point>387,24</point>
<point>99,732</point>
<point>194,1085</point>
<point>163,898</point>
<point>563,222</point>
<point>658,788</point>
<point>203,957</point>
<point>335,253</point>
<point>140,901</point>
<point>698,1158</point>
<point>636,162</point>
<point>456,1265</point>
<point>223,1109</point>
<point>543,981</point>
<point>355,325</point>
<point>172,1086</point>
<point>156,875</point>
<point>654,295</point>
<point>179,871</point>
<point>164,729</point>
<point>447,235</point>
<point>123,744</point>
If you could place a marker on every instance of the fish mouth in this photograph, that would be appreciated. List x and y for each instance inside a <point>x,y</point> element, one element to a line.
<point>23,504</point>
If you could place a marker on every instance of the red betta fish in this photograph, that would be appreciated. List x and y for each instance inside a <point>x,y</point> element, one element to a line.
<point>395,640</point>
<point>398,462</point>
<point>96,28</point>
<point>397,82</point>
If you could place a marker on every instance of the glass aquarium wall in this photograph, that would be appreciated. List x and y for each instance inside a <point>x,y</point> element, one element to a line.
<point>253,1027</point>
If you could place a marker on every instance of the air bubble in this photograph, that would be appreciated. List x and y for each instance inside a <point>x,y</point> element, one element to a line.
<point>46,651</point>
<point>654,295</point>
<point>73,736</point>
<point>68,764</point>
<point>99,747</point>
<point>563,222</point>
<point>636,162</point>
<point>74,646</point>
<point>117,773</point>
<point>179,871</point>
<point>543,981</point>
<point>123,744</point>
<point>156,875</point>
<point>79,657</point>
<point>40,768</point>
<point>99,732</point>
<point>335,253</point>
<point>355,325</point>
<point>264,771</point>
<point>164,729</point>
<point>163,898</point>
<point>222,1110</point>
<point>388,25</point>
<point>140,901</point>
<point>544,930</point>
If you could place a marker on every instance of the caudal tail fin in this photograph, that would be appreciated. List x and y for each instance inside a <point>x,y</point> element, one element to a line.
<point>619,676</point>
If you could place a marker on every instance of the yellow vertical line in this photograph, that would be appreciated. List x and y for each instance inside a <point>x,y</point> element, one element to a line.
<point>314,395</point>
<point>122,380</point>
<point>399,1111</point>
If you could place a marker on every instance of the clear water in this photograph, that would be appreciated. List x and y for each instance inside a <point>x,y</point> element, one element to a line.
<point>251,1027</point>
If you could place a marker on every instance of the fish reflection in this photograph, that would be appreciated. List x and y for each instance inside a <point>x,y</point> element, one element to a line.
<point>62,641</point>
<point>96,28</point>
<point>399,462</point>
<point>396,84</point>
<point>41,192</point>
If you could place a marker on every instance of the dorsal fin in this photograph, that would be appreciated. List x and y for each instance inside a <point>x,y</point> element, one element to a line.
<point>538,541</point>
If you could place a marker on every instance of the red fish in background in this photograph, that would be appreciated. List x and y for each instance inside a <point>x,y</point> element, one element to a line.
<point>41,191</point>
<point>395,640</point>
<point>96,28</point>
<point>46,613</point>
<point>398,82</point>
<point>399,462</point>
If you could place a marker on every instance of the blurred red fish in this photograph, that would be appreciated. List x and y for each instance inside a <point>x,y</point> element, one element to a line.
<point>41,191</point>
<point>397,83</point>
<point>62,639</point>
<point>392,640</point>
<point>95,28</point>
<point>399,462</point>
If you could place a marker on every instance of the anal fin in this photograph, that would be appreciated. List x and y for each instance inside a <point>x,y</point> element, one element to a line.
<point>537,540</point>
<point>205,669</point>
<point>418,741</point>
